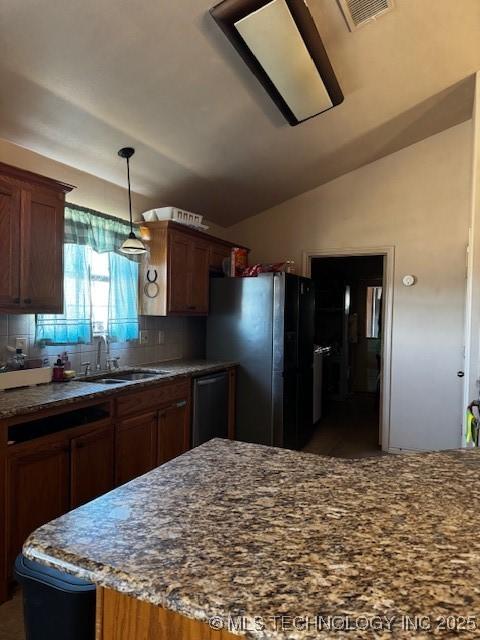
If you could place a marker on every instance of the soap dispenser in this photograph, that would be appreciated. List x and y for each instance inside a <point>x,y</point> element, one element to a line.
<point>58,370</point>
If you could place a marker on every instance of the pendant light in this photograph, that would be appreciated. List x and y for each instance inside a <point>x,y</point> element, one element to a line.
<point>132,245</point>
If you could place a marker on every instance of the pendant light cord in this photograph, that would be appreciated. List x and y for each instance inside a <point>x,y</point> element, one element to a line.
<point>129,195</point>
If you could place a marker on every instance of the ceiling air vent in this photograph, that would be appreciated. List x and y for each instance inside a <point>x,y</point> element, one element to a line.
<point>359,12</point>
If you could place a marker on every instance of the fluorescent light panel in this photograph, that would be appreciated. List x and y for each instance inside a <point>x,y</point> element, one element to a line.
<point>273,38</point>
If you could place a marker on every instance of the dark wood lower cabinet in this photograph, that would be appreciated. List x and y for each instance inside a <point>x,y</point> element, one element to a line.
<point>173,431</point>
<point>135,447</point>
<point>45,476</point>
<point>37,491</point>
<point>91,465</point>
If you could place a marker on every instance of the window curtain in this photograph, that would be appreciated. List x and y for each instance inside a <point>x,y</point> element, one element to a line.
<point>97,230</point>
<point>73,326</point>
<point>123,299</point>
<point>87,228</point>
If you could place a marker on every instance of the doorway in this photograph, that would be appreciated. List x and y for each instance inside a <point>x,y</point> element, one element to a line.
<point>352,329</point>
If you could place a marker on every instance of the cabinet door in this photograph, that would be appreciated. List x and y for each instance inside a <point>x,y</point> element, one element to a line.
<point>135,447</point>
<point>178,272</point>
<point>37,491</point>
<point>41,276</point>
<point>218,253</point>
<point>91,466</point>
<point>10,243</point>
<point>198,278</point>
<point>173,431</point>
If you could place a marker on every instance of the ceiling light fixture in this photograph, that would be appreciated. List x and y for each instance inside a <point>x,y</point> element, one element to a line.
<point>132,245</point>
<point>279,41</point>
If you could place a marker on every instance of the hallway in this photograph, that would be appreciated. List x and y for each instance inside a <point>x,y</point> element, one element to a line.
<point>349,430</point>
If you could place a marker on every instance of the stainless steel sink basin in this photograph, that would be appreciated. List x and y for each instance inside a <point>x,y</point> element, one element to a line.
<point>135,376</point>
<point>121,377</point>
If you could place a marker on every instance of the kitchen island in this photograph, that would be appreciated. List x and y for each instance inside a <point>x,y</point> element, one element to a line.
<point>240,539</point>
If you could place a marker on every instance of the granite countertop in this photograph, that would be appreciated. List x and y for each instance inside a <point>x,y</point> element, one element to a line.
<point>48,396</point>
<point>235,529</point>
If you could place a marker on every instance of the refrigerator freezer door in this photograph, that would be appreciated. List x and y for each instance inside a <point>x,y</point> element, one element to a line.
<point>306,323</point>
<point>240,328</point>
<point>305,407</point>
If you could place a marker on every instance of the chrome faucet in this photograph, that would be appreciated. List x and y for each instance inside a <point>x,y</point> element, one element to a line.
<point>102,338</point>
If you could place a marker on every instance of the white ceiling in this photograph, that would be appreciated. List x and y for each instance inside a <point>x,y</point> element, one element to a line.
<point>80,79</point>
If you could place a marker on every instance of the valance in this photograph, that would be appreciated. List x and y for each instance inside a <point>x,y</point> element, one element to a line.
<point>97,230</point>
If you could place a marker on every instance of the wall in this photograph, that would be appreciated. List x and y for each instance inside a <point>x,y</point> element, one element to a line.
<point>184,338</point>
<point>416,200</point>
<point>472,325</point>
<point>89,191</point>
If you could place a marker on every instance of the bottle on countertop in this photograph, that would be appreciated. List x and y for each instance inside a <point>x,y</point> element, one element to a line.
<point>66,362</point>
<point>58,370</point>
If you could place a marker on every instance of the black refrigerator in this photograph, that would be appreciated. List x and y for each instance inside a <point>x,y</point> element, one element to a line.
<point>266,324</point>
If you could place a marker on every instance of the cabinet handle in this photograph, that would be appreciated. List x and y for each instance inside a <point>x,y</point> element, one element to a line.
<point>179,405</point>
<point>28,301</point>
<point>16,300</point>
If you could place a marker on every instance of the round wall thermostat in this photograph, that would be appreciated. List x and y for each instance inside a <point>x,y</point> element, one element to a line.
<point>408,281</point>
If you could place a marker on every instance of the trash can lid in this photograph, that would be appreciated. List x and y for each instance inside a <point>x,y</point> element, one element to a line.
<point>26,569</point>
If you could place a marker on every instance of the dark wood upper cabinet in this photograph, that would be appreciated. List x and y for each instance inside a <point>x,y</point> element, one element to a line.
<point>31,225</point>
<point>218,253</point>
<point>198,277</point>
<point>91,465</point>
<point>175,273</point>
<point>179,272</point>
<point>10,199</point>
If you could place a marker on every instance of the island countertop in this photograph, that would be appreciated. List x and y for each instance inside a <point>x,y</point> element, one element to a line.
<point>17,402</point>
<point>234,530</point>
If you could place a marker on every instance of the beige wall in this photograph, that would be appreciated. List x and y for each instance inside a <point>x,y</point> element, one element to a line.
<point>416,200</point>
<point>90,191</point>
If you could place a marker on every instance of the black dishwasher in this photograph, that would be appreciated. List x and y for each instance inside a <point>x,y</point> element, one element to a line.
<point>210,408</point>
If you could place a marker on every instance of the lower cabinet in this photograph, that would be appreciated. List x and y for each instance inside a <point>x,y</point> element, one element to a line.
<point>91,465</point>
<point>136,439</point>
<point>146,441</point>
<point>37,491</point>
<point>173,431</point>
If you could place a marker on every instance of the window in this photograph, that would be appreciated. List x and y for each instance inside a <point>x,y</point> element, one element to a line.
<point>100,285</point>
<point>374,306</point>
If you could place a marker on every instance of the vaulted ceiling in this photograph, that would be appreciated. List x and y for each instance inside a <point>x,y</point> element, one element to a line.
<point>80,79</point>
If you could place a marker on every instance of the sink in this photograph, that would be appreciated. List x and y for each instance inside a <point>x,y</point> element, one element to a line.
<point>136,376</point>
<point>107,381</point>
<point>125,376</point>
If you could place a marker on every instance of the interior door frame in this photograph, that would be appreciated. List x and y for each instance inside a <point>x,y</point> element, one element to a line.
<point>388,253</point>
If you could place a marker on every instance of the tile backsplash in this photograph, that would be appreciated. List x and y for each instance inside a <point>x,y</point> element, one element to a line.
<point>183,338</point>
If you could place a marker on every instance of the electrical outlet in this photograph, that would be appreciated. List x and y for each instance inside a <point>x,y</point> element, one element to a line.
<point>161,337</point>
<point>21,343</point>
<point>144,337</point>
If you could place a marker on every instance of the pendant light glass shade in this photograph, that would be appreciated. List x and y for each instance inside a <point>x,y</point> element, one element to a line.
<point>132,245</point>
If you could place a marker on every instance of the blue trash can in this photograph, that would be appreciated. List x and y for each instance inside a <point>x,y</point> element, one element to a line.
<point>55,605</point>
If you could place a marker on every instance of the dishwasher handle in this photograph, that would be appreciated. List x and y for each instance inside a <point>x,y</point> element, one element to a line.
<point>210,379</point>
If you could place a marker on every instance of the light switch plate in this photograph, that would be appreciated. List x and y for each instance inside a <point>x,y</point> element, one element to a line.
<point>144,337</point>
